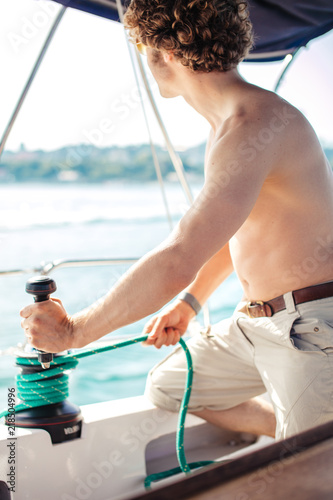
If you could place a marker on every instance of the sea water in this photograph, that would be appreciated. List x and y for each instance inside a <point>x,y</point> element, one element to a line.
<point>43,223</point>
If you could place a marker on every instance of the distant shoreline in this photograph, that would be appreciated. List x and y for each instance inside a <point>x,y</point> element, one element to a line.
<point>88,164</point>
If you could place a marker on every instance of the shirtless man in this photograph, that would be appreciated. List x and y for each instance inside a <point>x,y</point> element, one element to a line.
<point>265,211</point>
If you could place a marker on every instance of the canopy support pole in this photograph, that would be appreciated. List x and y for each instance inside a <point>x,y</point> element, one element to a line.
<point>30,79</point>
<point>175,159</point>
<point>152,146</point>
<point>289,59</point>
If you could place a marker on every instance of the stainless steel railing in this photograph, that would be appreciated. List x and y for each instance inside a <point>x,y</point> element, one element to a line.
<point>47,267</point>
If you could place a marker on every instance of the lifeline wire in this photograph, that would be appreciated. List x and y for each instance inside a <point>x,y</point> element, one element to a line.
<point>40,389</point>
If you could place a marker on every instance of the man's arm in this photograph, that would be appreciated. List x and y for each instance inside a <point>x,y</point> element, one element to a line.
<point>226,200</point>
<point>171,323</point>
<point>211,275</point>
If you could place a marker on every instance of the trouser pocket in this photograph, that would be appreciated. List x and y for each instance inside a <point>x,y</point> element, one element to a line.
<point>312,334</point>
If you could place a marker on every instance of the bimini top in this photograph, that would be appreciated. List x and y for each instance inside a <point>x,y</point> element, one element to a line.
<point>281,26</point>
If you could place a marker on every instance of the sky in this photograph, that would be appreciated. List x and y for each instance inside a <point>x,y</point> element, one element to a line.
<point>85,90</point>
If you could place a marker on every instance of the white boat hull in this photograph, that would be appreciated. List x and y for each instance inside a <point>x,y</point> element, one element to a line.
<point>121,442</point>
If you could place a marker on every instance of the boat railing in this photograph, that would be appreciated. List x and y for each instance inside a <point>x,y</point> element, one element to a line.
<point>47,267</point>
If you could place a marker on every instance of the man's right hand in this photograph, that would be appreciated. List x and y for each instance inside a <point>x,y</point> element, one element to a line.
<point>169,325</point>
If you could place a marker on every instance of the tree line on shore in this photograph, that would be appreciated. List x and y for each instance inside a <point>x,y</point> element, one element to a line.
<point>88,163</point>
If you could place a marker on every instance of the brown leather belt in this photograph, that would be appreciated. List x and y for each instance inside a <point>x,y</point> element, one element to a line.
<point>258,308</point>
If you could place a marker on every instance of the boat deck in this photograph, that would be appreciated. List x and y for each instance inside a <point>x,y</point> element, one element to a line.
<point>299,467</point>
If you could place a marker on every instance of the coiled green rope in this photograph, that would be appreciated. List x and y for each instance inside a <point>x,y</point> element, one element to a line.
<point>47,387</point>
<point>40,389</point>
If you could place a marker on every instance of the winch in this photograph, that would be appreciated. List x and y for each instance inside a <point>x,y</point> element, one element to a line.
<point>43,376</point>
<point>42,387</point>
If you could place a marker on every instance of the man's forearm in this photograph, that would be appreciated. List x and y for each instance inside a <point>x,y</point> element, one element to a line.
<point>143,290</point>
<point>211,275</point>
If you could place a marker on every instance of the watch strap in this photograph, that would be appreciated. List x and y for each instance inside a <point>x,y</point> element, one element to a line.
<point>191,301</point>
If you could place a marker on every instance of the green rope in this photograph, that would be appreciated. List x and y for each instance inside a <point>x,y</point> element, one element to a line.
<point>172,472</point>
<point>36,389</point>
<point>51,386</point>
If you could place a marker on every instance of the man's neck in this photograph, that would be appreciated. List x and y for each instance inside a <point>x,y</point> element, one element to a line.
<point>213,95</point>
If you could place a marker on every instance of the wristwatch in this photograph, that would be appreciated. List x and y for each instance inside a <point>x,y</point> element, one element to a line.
<point>191,301</point>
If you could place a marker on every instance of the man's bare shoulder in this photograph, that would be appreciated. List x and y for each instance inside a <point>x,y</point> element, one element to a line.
<point>265,130</point>
<point>261,117</point>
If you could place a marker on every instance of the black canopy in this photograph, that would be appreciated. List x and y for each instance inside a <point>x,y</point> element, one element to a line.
<point>281,26</point>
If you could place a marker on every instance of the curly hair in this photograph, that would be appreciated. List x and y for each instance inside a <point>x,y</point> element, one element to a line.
<point>204,35</point>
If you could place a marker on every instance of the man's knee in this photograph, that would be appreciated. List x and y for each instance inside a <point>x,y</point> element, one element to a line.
<point>157,392</point>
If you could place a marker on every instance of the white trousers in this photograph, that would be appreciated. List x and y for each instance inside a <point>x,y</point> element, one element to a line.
<point>289,355</point>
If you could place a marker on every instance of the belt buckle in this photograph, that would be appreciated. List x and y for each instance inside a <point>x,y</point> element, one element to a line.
<point>253,304</point>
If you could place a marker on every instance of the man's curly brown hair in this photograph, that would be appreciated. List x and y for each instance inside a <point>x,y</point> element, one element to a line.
<point>204,35</point>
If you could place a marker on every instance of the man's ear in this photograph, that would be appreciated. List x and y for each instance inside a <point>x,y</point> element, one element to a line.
<point>168,56</point>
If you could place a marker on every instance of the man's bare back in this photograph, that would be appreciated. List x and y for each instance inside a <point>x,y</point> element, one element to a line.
<point>286,242</point>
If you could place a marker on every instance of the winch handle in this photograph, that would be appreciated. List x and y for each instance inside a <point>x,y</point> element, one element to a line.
<point>41,288</point>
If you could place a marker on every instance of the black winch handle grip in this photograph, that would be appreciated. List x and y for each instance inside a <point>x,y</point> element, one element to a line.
<point>41,288</point>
